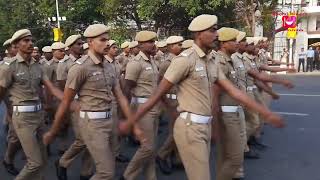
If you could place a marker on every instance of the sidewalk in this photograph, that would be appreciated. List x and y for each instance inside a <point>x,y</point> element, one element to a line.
<point>314,73</point>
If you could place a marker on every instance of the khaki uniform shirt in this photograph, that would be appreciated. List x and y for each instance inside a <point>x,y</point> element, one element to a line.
<point>250,64</point>
<point>64,67</point>
<point>163,68</point>
<point>93,80</point>
<point>43,61</point>
<point>159,58</point>
<point>194,72</point>
<point>117,69</point>
<point>241,70</point>
<point>144,72</point>
<point>50,68</point>
<point>263,57</point>
<point>123,60</point>
<point>23,81</point>
<point>228,68</point>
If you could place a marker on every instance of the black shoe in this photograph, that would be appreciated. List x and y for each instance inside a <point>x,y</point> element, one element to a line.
<point>238,179</point>
<point>122,178</point>
<point>85,177</point>
<point>257,144</point>
<point>61,171</point>
<point>251,155</point>
<point>49,151</point>
<point>163,165</point>
<point>122,158</point>
<point>10,168</point>
<point>132,141</point>
<point>60,152</point>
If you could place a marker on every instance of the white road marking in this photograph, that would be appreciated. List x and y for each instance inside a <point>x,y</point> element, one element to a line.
<point>292,113</point>
<point>302,95</point>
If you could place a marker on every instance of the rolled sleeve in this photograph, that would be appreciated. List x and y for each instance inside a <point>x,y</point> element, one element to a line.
<point>177,70</point>
<point>133,71</point>
<point>5,76</point>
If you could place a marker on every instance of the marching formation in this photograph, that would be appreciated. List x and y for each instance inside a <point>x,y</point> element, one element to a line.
<point>213,89</point>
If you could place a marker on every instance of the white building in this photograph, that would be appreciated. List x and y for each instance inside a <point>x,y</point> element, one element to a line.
<point>308,27</point>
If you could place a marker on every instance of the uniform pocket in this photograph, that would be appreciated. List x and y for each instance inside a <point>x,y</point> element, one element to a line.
<point>197,133</point>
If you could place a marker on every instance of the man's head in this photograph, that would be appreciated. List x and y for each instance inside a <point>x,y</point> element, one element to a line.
<point>174,44</point>
<point>302,49</point>
<point>10,48</point>
<point>97,38</point>
<point>250,45</point>
<point>204,28</point>
<point>228,39</point>
<point>36,54</point>
<point>162,46</point>
<point>242,44</point>
<point>58,50</point>
<point>134,48</point>
<point>125,47</point>
<point>47,52</point>
<point>22,40</point>
<point>113,49</point>
<point>187,44</point>
<point>74,43</point>
<point>146,41</point>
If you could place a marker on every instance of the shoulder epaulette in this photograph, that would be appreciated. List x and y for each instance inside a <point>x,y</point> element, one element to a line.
<point>8,61</point>
<point>186,53</point>
<point>82,59</point>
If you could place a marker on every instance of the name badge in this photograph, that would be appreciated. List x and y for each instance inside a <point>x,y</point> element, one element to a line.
<point>233,72</point>
<point>20,74</point>
<point>96,73</point>
<point>199,69</point>
<point>148,68</point>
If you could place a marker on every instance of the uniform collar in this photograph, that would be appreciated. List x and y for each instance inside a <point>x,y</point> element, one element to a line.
<point>223,54</point>
<point>20,59</point>
<point>56,60</point>
<point>198,50</point>
<point>144,56</point>
<point>251,57</point>
<point>72,57</point>
<point>93,58</point>
<point>109,59</point>
<point>239,55</point>
<point>160,53</point>
<point>124,54</point>
<point>171,56</point>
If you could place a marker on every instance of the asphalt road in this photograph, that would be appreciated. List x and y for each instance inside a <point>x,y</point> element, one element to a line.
<point>293,153</point>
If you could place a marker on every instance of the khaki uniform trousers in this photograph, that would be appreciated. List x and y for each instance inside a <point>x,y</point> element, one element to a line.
<point>144,158</point>
<point>13,142</point>
<point>193,141</point>
<point>29,128</point>
<point>230,150</point>
<point>169,146</point>
<point>259,96</point>
<point>77,147</point>
<point>116,139</point>
<point>252,119</point>
<point>97,134</point>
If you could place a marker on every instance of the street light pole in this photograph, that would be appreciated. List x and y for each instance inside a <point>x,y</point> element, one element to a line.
<point>58,16</point>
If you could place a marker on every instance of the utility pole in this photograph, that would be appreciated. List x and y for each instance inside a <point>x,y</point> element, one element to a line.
<point>58,16</point>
